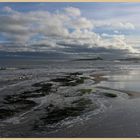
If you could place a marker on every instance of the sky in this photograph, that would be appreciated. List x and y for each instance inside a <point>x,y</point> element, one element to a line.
<point>71,29</point>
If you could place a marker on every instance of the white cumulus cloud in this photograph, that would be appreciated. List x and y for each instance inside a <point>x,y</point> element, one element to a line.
<point>72,11</point>
<point>59,30</point>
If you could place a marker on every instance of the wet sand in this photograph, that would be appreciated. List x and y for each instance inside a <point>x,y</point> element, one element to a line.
<point>68,100</point>
<point>120,120</point>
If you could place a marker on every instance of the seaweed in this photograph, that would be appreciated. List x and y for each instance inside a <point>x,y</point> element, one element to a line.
<point>70,80</point>
<point>84,91</point>
<point>112,95</point>
<point>4,113</point>
<point>55,114</point>
<point>16,107</point>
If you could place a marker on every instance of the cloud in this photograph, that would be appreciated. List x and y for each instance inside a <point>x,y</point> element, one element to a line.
<point>114,25</point>
<point>72,11</point>
<point>116,31</point>
<point>7,9</point>
<point>81,23</point>
<point>127,26</point>
<point>61,31</point>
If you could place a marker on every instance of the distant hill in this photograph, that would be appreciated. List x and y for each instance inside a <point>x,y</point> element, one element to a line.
<point>130,59</point>
<point>89,59</point>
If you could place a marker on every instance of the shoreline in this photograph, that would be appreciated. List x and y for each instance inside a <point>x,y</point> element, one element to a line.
<point>64,95</point>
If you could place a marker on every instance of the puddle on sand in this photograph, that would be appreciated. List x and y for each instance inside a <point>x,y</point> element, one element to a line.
<point>128,82</point>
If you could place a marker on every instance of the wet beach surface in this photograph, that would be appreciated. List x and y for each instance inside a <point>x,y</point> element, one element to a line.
<point>70,99</point>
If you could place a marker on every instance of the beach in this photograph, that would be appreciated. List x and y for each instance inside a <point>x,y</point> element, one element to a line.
<point>83,98</point>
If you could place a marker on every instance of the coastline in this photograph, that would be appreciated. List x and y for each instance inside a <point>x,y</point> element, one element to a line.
<point>70,104</point>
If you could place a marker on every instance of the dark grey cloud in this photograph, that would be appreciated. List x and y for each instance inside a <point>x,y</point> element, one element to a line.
<point>66,32</point>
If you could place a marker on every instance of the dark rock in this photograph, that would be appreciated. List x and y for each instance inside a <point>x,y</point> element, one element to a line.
<point>112,95</point>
